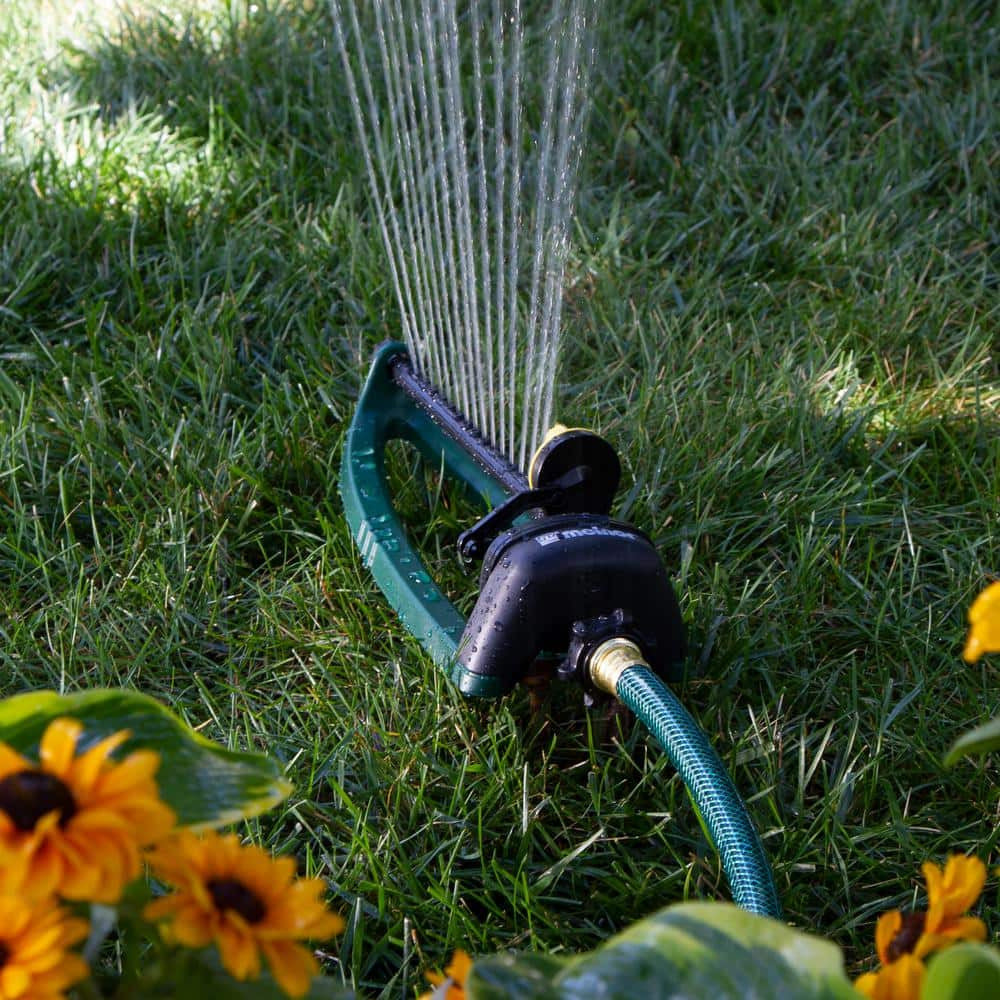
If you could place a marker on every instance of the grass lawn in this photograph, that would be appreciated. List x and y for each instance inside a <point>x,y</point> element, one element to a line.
<point>782,308</point>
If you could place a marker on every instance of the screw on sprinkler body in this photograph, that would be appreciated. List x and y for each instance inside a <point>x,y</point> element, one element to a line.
<point>610,660</point>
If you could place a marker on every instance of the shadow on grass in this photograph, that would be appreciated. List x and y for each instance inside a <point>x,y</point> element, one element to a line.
<point>266,80</point>
<point>191,257</point>
<point>220,165</point>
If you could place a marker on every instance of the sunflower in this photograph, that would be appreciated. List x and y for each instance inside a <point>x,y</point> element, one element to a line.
<point>984,624</point>
<point>451,984</point>
<point>73,824</point>
<point>34,962</point>
<point>246,902</point>
<point>904,940</point>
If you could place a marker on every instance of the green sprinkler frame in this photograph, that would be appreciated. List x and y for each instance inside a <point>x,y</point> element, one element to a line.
<point>385,412</point>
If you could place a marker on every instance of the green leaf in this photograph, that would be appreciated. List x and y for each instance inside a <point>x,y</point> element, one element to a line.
<point>965,971</point>
<point>205,784</point>
<point>527,976</point>
<point>975,742</point>
<point>200,975</point>
<point>689,951</point>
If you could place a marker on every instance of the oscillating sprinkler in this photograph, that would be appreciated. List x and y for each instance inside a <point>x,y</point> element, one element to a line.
<point>559,578</point>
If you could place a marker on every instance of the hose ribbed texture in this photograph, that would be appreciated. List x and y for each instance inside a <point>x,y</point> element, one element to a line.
<point>743,860</point>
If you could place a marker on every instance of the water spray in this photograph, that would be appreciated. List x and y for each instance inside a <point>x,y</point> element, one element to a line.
<point>561,580</point>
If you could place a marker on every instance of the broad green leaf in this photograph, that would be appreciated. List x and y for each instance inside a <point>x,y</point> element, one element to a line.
<point>689,951</point>
<point>527,976</point>
<point>975,742</point>
<point>963,972</point>
<point>199,975</point>
<point>205,979</point>
<point>205,784</point>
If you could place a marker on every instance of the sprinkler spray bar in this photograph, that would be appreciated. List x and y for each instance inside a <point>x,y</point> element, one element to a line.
<point>454,425</point>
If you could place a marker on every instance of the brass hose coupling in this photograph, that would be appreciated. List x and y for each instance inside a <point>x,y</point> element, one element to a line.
<point>610,660</point>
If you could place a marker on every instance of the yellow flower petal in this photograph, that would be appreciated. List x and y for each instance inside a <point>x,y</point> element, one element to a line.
<point>14,916</point>
<point>955,889</point>
<point>238,951</point>
<point>962,929</point>
<point>866,984</point>
<point>300,906</point>
<point>14,981</point>
<point>71,969</point>
<point>163,906</point>
<point>138,768</point>
<point>902,980</point>
<point>58,745</point>
<point>41,874</point>
<point>984,622</point>
<point>459,966</point>
<point>292,966</point>
<point>42,945</point>
<point>11,761</point>
<point>86,769</point>
<point>886,929</point>
<point>193,927</point>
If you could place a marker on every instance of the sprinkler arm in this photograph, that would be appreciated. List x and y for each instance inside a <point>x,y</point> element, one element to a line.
<point>385,412</point>
<point>540,577</point>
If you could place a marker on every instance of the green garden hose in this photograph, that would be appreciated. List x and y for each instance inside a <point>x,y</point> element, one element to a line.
<point>618,667</point>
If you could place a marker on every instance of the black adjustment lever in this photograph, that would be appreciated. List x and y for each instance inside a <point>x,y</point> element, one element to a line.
<point>474,541</point>
<point>573,472</point>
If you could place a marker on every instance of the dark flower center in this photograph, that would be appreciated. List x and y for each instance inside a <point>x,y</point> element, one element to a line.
<point>4,954</point>
<point>27,796</point>
<point>907,936</point>
<point>228,894</point>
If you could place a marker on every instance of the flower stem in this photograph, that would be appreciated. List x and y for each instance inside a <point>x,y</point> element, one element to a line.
<point>87,989</point>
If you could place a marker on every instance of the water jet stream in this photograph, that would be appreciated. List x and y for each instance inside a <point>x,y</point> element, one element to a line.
<point>480,317</point>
